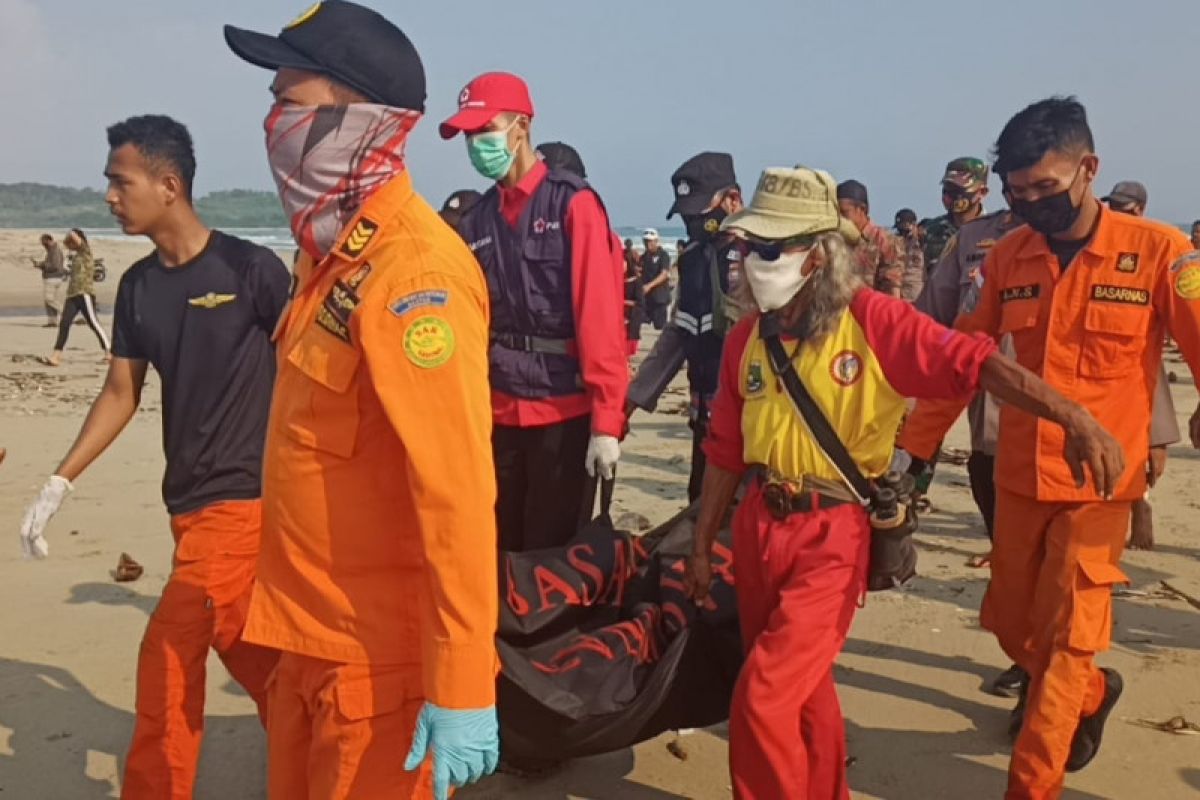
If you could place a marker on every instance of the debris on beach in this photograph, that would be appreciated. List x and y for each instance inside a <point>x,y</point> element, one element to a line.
<point>1179,726</point>
<point>127,569</point>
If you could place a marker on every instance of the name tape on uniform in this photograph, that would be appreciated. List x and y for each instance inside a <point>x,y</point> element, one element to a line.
<point>427,298</point>
<point>1030,292</point>
<point>1126,295</point>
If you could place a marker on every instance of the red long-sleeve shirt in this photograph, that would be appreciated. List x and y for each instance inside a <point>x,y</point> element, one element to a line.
<point>598,300</point>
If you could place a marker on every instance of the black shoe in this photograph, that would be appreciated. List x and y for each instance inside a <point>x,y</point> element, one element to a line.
<point>1086,743</point>
<point>1016,719</point>
<point>1009,682</point>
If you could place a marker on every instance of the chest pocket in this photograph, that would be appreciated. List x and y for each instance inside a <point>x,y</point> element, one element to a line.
<point>548,281</point>
<point>323,413</point>
<point>1114,340</point>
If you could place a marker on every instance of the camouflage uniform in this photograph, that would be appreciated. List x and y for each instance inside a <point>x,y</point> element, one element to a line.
<point>912,261</point>
<point>83,273</point>
<point>877,258</point>
<point>938,233</point>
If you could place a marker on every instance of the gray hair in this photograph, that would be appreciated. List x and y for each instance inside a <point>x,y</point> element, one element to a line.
<point>828,293</point>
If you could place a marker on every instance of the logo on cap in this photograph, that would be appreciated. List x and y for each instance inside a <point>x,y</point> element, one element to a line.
<point>683,189</point>
<point>304,16</point>
<point>464,96</point>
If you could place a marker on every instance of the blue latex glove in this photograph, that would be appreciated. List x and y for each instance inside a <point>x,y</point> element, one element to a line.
<point>465,746</point>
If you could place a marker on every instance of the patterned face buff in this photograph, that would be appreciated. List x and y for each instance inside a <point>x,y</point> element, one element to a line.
<point>327,160</point>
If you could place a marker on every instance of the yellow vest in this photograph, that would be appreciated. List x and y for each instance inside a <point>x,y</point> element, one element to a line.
<point>847,382</point>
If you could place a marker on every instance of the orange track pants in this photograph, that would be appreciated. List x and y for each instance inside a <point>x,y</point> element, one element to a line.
<point>342,731</point>
<point>799,583</point>
<point>203,605</point>
<point>1050,605</point>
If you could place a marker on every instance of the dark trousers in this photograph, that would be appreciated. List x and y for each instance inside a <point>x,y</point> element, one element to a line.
<point>699,426</point>
<point>656,314</point>
<point>981,469</point>
<point>540,480</point>
<point>83,304</point>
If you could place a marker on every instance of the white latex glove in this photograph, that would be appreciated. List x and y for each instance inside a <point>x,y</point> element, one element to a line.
<point>33,542</point>
<point>901,460</point>
<point>603,453</point>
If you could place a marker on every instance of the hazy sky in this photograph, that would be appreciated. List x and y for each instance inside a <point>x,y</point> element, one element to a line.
<point>885,91</point>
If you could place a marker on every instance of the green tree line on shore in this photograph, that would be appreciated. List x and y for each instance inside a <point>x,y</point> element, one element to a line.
<point>35,205</point>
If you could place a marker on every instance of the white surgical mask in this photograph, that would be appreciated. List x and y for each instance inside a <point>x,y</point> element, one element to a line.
<point>775,283</point>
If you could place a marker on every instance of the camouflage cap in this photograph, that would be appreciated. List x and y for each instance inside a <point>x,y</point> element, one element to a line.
<point>966,173</point>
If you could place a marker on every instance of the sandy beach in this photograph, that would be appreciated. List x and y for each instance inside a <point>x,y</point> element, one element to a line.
<point>911,679</point>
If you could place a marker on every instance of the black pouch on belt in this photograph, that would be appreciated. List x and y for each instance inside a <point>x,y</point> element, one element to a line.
<point>893,518</point>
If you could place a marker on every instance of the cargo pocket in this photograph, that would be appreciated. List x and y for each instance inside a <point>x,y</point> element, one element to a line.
<point>1114,341</point>
<point>377,695</point>
<point>1091,605</point>
<point>323,414</point>
<point>548,281</point>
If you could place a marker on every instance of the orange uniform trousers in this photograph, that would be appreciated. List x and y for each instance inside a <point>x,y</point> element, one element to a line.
<point>799,583</point>
<point>342,731</point>
<point>1050,605</point>
<point>203,605</point>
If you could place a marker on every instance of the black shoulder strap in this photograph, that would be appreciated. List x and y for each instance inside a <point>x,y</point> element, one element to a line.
<point>827,438</point>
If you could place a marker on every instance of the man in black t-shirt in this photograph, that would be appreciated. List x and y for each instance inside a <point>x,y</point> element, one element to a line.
<point>201,310</point>
<point>656,275</point>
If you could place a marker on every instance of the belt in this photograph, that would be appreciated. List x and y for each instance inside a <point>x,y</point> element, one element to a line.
<point>784,498</point>
<point>533,344</point>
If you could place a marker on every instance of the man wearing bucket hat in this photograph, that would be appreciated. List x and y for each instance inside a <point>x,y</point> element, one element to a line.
<point>558,354</point>
<point>378,472</point>
<point>801,534</point>
<point>964,186</point>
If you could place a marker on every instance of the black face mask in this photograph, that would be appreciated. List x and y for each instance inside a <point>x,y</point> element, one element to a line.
<point>703,227</point>
<point>1049,215</point>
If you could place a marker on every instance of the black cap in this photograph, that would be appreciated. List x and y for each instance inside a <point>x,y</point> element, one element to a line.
<point>462,201</point>
<point>906,215</point>
<point>352,44</point>
<point>854,192</point>
<point>560,155</point>
<point>698,180</point>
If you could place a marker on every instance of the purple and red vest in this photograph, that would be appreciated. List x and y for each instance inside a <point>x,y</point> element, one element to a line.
<point>528,268</point>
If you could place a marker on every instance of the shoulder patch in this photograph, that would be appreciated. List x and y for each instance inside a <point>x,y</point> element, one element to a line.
<point>1187,279</point>
<point>426,298</point>
<point>358,239</point>
<point>429,342</point>
<point>846,368</point>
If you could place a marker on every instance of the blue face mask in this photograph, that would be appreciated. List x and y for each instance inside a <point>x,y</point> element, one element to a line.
<point>490,153</point>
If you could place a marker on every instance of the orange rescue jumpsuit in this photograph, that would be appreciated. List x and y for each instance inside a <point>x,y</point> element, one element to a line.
<point>378,576</point>
<point>1094,332</point>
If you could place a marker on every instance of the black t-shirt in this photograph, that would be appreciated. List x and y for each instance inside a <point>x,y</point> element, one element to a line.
<point>206,326</point>
<point>653,265</point>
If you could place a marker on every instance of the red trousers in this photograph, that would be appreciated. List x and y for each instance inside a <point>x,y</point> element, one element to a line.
<point>203,605</point>
<point>1050,605</point>
<point>799,583</point>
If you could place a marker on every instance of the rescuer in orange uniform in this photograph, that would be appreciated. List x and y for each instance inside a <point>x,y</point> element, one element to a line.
<point>1086,294</point>
<point>801,536</point>
<point>378,575</point>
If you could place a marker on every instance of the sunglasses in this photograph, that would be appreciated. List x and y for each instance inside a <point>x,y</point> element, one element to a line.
<point>771,251</point>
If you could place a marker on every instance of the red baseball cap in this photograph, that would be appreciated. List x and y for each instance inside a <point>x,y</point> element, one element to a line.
<point>483,98</point>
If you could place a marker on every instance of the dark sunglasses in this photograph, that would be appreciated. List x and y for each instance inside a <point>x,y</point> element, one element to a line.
<point>771,251</point>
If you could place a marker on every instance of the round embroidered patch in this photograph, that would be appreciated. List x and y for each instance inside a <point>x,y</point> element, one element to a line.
<point>1187,282</point>
<point>846,368</point>
<point>429,342</point>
